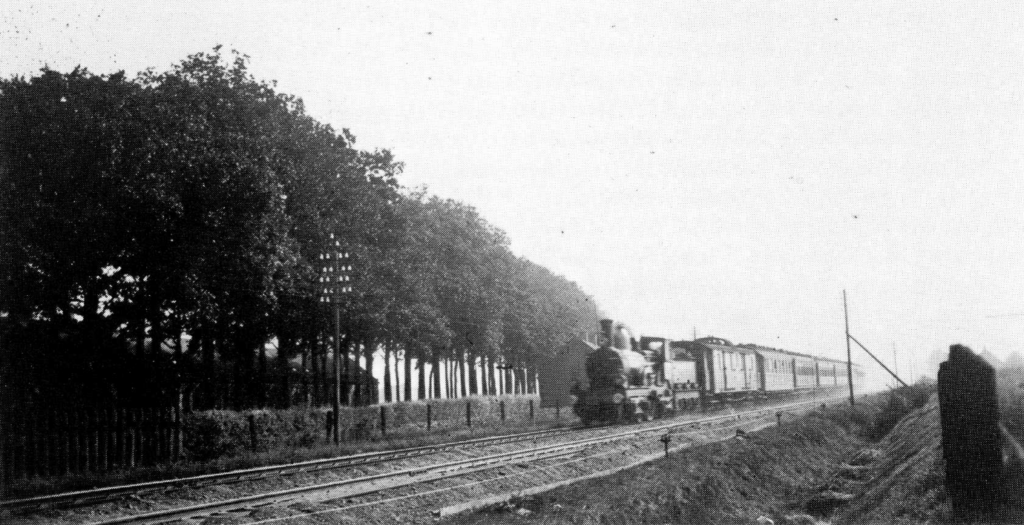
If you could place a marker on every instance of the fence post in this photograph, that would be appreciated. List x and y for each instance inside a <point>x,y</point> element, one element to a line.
<point>469,414</point>
<point>971,442</point>
<point>428,417</point>
<point>501,405</point>
<point>329,423</point>
<point>531,410</point>
<point>383,422</point>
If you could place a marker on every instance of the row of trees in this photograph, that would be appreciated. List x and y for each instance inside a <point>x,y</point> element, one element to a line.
<point>158,231</point>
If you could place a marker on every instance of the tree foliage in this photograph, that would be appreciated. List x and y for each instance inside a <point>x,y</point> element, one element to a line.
<point>193,204</point>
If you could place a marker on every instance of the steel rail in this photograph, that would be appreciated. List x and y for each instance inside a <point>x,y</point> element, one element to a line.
<point>103,494</point>
<point>417,475</point>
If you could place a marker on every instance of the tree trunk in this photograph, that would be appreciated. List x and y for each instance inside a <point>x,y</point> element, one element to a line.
<point>315,349</point>
<point>473,386</point>
<point>156,328</point>
<point>353,375</point>
<point>387,372</point>
<point>462,375</point>
<point>483,375</point>
<point>371,391</point>
<point>261,382</point>
<point>449,378</point>
<point>284,348</point>
<point>491,381</point>
<point>407,364</point>
<point>208,398</point>
<point>326,347</point>
<point>305,372</point>
<point>236,380</point>
<point>421,387</point>
<point>398,380</point>
<point>91,328</point>
<point>435,369</point>
<point>222,377</point>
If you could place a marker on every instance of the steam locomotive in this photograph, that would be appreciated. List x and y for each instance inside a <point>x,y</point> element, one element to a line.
<point>627,379</point>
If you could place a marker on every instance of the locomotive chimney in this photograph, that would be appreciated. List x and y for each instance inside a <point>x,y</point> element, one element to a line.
<point>606,330</point>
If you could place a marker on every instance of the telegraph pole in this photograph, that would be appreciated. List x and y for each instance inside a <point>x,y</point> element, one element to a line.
<point>849,359</point>
<point>335,277</point>
<point>895,362</point>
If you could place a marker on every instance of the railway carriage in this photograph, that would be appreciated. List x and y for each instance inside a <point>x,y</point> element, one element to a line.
<point>805,374</point>
<point>832,373</point>
<point>729,371</point>
<point>776,369</point>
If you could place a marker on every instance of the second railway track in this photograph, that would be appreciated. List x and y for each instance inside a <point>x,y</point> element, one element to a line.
<point>106,494</point>
<point>465,460</point>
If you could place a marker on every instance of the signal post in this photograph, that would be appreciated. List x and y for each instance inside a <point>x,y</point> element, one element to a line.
<point>336,274</point>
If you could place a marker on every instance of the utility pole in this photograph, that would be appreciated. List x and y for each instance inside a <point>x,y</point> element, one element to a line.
<point>335,277</point>
<point>895,362</point>
<point>849,359</point>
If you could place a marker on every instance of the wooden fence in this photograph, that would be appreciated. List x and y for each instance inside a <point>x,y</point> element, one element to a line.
<point>79,441</point>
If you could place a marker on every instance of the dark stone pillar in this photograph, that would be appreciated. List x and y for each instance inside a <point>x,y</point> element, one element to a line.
<point>971,443</point>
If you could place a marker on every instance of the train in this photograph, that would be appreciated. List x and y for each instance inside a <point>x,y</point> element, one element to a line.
<point>625,378</point>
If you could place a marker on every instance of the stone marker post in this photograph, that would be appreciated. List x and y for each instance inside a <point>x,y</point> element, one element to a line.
<point>971,443</point>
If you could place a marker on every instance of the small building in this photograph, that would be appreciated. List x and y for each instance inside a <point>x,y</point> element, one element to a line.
<point>558,374</point>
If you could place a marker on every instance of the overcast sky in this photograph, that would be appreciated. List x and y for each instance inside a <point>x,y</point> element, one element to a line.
<point>721,167</point>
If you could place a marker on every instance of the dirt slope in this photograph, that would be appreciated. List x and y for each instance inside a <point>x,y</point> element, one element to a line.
<point>900,478</point>
<point>767,474</point>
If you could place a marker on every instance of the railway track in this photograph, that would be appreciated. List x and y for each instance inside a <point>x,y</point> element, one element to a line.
<point>354,492</point>
<point>107,494</point>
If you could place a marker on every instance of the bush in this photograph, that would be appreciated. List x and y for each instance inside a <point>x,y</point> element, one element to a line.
<point>901,402</point>
<point>213,434</point>
<point>216,434</point>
